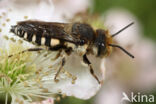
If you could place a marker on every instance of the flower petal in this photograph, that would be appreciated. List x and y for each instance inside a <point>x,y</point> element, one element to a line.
<point>85,85</point>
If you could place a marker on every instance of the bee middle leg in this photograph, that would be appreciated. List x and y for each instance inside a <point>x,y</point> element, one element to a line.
<point>60,68</point>
<point>57,48</point>
<point>86,60</point>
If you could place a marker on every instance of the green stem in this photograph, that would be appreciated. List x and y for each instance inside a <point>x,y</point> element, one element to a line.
<point>6,98</point>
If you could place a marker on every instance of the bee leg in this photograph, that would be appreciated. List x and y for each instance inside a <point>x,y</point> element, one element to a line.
<point>57,55</point>
<point>61,67</point>
<point>27,50</point>
<point>57,47</point>
<point>86,60</point>
<point>67,51</point>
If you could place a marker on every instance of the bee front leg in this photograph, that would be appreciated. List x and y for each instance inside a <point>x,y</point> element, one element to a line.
<point>27,50</point>
<point>86,60</point>
<point>60,68</point>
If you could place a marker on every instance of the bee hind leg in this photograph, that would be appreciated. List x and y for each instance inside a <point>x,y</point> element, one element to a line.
<point>86,60</point>
<point>27,50</point>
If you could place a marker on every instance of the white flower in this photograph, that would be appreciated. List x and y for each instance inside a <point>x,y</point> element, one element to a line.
<point>37,80</point>
<point>17,79</point>
<point>47,101</point>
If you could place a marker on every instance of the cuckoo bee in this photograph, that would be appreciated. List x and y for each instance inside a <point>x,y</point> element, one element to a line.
<point>68,37</point>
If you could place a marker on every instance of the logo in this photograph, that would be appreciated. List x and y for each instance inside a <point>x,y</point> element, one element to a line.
<point>137,97</point>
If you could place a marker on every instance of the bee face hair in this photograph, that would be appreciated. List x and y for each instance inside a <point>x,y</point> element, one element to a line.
<point>100,42</point>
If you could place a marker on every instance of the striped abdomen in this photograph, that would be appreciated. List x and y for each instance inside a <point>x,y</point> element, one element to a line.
<point>37,34</point>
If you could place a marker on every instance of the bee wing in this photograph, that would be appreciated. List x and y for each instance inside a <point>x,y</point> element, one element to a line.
<point>65,34</point>
<point>61,31</point>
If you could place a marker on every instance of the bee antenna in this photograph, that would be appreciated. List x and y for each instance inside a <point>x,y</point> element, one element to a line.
<point>113,45</point>
<point>123,29</point>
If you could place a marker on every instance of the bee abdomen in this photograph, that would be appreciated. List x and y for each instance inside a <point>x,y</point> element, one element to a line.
<point>48,41</point>
<point>36,38</point>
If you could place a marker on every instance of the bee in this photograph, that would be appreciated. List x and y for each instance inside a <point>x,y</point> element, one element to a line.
<point>80,38</point>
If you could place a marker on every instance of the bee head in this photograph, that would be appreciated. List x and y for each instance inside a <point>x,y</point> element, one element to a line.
<point>103,42</point>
